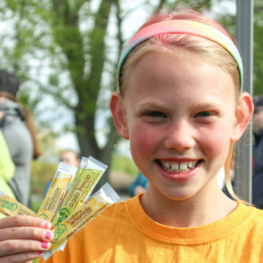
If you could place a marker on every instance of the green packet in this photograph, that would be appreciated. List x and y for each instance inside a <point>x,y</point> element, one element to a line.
<point>81,188</point>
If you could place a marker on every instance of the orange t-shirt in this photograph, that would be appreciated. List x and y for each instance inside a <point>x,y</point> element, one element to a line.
<point>125,234</point>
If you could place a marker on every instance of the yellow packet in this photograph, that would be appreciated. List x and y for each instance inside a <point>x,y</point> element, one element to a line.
<point>10,207</point>
<point>56,191</point>
<point>80,189</point>
<point>100,201</point>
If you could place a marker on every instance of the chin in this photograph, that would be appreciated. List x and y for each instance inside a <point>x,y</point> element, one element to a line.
<point>178,195</point>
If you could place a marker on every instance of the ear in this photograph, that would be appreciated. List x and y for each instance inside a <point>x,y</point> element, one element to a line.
<point>119,115</point>
<point>244,112</point>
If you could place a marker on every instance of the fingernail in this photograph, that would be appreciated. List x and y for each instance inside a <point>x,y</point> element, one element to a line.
<point>47,225</point>
<point>40,252</point>
<point>44,244</point>
<point>48,235</point>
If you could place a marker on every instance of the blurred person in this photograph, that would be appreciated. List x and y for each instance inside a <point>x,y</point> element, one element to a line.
<point>69,157</point>
<point>139,185</point>
<point>7,168</point>
<point>20,135</point>
<point>257,183</point>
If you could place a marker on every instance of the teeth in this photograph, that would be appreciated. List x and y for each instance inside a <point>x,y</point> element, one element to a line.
<point>183,166</point>
<point>174,166</point>
<point>178,167</point>
<point>167,165</point>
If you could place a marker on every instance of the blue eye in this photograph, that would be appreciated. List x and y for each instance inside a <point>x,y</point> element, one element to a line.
<point>203,114</point>
<point>156,114</point>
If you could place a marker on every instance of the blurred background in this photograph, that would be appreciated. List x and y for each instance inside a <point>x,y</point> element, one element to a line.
<point>65,53</point>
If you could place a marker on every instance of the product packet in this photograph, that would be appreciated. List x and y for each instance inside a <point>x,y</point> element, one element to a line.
<point>95,173</point>
<point>10,207</point>
<point>56,191</point>
<point>80,189</point>
<point>100,201</point>
<point>82,165</point>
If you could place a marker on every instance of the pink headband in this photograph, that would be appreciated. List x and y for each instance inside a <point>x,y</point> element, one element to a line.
<point>182,27</point>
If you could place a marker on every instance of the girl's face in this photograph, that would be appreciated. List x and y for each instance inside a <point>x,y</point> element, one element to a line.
<point>179,114</point>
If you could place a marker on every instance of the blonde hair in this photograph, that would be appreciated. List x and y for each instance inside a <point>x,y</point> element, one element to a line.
<point>211,52</point>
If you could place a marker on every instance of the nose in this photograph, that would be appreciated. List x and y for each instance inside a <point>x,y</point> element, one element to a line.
<point>180,136</point>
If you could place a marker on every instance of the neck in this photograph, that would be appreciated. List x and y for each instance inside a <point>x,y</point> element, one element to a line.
<point>204,208</point>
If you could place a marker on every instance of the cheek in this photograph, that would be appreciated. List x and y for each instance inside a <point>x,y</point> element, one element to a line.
<point>143,142</point>
<point>216,142</point>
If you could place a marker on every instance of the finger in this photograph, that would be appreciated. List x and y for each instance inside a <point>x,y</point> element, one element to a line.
<point>19,258</point>
<point>13,247</point>
<point>16,221</point>
<point>33,233</point>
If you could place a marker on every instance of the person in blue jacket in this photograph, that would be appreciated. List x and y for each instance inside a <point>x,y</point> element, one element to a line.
<point>139,185</point>
<point>257,183</point>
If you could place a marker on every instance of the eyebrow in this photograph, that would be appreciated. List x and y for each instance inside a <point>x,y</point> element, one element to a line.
<point>208,105</point>
<point>152,104</point>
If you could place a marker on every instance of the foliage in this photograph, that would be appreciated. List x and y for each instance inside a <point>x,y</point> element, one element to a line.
<point>123,164</point>
<point>62,49</point>
<point>42,172</point>
<point>258,44</point>
<point>228,22</point>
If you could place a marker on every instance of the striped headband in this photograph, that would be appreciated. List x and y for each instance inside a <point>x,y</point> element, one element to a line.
<point>182,27</point>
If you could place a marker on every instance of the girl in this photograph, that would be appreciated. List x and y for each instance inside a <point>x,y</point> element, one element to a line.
<point>181,105</point>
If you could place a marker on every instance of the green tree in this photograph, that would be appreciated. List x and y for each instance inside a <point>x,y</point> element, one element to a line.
<point>229,22</point>
<point>258,44</point>
<point>73,40</point>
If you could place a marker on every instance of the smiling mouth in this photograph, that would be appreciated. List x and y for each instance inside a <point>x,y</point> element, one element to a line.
<point>178,167</point>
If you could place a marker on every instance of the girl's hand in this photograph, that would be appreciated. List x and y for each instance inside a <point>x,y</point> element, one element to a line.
<point>23,238</point>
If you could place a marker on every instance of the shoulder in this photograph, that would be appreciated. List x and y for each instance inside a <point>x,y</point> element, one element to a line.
<point>257,216</point>
<point>113,222</point>
<point>108,226</point>
<point>252,226</point>
<point>111,216</point>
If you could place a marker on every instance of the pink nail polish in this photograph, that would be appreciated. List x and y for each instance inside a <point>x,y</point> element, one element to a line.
<point>44,244</point>
<point>40,252</point>
<point>47,225</point>
<point>48,235</point>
